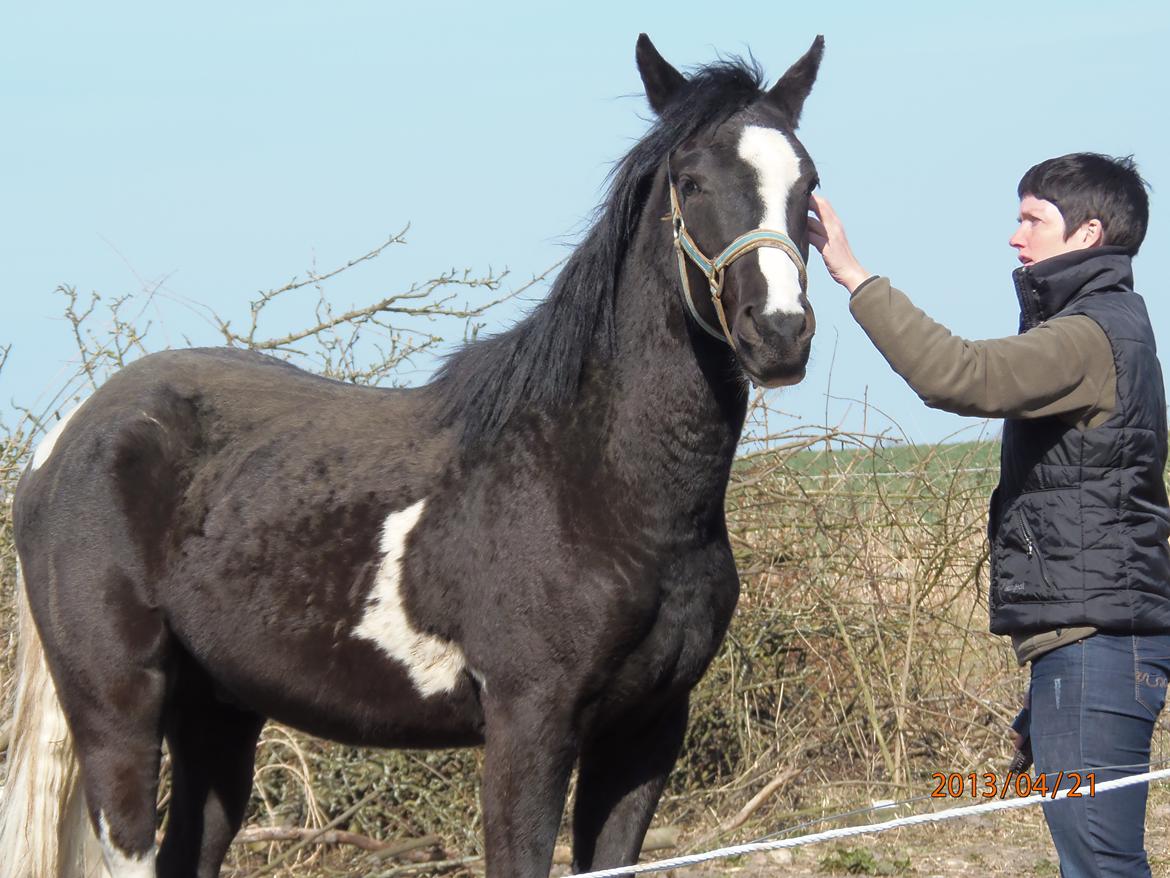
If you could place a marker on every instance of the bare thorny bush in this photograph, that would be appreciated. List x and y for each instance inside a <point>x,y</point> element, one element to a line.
<point>858,662</point>
<point>856,666</point>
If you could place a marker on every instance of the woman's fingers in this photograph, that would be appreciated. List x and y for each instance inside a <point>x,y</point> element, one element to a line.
<point>827,234</point>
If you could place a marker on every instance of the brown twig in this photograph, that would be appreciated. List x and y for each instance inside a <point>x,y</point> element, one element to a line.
<point>313,834</point>
<point>384,849</point>
<point>660,838</point>
<point>758,800</point>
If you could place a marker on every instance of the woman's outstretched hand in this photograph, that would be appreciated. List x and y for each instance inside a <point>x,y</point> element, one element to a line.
<point>826,233</point>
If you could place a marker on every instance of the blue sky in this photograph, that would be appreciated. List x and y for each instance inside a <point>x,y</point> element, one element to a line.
<point>222,149</point>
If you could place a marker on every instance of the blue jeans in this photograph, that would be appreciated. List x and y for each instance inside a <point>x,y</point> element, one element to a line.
<point>1094,704</point>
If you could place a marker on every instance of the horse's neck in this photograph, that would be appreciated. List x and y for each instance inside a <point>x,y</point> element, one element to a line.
<point>674,414</point>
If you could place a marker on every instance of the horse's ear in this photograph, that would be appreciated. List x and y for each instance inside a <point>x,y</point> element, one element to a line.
<point>662,81</point>
<point>790,92</point>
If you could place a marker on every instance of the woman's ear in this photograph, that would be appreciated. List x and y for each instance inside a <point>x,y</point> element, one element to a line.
<point>1091,234</point>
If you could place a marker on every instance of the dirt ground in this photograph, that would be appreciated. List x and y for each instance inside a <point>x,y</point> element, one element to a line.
<point>1011,843</point>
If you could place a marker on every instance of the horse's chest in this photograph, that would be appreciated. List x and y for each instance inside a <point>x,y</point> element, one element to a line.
<point>686,632</point>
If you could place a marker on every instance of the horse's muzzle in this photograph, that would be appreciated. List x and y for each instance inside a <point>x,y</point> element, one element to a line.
<point>774,348</point>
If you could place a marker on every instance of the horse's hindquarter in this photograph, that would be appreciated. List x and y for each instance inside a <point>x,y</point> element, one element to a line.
<point>247,504</point>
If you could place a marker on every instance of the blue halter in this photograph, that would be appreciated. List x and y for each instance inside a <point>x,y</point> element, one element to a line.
<point>714,269</point>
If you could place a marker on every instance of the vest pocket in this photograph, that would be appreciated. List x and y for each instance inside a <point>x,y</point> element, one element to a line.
<point>1034,552</point>
<point>1021,570</point>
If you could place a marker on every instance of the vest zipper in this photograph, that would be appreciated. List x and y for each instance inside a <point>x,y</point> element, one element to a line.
<point>1030,548</point>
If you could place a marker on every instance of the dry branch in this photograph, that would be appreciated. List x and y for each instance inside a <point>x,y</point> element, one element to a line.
<point>660,838</point>
<point>384,849</point>
<point>753,805</point>
<point>311,836</point>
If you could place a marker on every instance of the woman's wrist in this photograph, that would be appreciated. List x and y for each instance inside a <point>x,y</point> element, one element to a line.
<point>855,278</point>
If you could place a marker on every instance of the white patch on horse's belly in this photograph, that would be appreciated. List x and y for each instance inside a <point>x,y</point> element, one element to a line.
<point>777,169</point>
<point>45,448</point>
<point>434,665</point>
<point>120,864</point>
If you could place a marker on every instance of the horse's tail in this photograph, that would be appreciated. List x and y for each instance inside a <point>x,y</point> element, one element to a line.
<point>45,830</point>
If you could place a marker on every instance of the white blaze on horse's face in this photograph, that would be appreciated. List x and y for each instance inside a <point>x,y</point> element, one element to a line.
<point>777,169</point>
<point>434,665</point>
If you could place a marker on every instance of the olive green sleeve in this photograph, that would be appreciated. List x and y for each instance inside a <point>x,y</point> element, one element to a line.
<point>1061,367</point>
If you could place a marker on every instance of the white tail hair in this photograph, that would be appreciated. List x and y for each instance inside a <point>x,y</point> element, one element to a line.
<point>45,830</point>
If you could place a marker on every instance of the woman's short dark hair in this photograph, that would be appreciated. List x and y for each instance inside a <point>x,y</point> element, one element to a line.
<point>1088,185</point>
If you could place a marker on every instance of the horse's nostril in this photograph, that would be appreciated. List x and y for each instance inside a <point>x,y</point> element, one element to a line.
<point>793,327</point>
<point>746,327</point>
<point>810,322</point>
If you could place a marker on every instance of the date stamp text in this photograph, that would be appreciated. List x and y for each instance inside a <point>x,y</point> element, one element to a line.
<point>988,785</point>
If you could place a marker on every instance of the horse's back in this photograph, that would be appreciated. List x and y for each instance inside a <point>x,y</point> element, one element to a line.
<point>174,433</point>
<point>174,407</point>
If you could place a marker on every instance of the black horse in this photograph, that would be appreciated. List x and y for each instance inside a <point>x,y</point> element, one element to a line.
<point>527,553</point>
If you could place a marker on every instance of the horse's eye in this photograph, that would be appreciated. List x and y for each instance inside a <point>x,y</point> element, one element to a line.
<point>689,187</point>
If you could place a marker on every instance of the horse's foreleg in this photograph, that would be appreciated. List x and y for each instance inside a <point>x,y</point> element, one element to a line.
<point>621,778</point>
<point>213,748</point>
<point>528,757</point>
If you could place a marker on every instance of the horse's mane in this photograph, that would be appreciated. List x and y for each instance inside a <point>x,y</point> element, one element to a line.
<point>538,363</point>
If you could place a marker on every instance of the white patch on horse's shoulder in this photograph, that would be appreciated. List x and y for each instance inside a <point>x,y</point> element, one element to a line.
<point>45,449</point>
<point>434,665</point>
<point>120,864</point>
<point>777,169</point>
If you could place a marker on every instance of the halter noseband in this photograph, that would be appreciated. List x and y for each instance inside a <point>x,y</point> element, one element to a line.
<point>686,248</point>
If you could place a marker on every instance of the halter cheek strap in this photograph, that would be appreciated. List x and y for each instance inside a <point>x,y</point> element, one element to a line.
<point>714,269</point>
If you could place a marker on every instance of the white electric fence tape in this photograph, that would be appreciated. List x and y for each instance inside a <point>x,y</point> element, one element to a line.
<point>845,832</point>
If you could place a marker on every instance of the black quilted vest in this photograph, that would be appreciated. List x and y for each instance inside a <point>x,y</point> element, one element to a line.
<point>1079,522</point>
